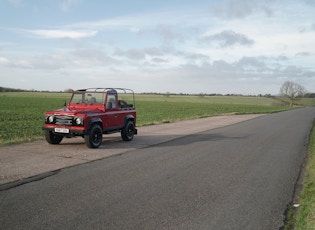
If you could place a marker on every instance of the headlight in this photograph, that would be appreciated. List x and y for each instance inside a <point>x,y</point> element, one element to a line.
<point>51,119</point>
<point>79,121</point>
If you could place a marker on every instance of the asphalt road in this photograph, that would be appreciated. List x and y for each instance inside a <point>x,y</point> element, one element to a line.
<point>241,176</point>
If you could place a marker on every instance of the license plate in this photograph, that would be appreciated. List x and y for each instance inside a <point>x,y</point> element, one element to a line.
<point>61,130</point>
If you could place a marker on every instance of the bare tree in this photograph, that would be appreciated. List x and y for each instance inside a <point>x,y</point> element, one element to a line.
<point>292,91</point>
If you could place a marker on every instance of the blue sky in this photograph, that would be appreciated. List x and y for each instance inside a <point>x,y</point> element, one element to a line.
<point>177,46</point>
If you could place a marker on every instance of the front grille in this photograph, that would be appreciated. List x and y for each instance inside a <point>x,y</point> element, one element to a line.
<point>64,120</point>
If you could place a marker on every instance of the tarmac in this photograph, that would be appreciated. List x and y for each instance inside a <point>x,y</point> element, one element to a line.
<point>22,163</point>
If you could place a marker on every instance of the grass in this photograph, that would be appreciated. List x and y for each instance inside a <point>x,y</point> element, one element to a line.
<point>165,112</point>
<point>304,218</point>
<point>22,114</point>
<point>239,100</point>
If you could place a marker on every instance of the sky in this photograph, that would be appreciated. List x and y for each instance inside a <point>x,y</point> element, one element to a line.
<point>168,46</point>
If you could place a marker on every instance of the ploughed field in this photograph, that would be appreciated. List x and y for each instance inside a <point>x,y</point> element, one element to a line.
<point>22,113</point>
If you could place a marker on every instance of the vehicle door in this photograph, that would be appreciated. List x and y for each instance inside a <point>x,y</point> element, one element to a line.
<point>111,112</point>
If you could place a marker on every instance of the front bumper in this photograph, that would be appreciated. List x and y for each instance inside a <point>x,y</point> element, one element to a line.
<point>65,131</point>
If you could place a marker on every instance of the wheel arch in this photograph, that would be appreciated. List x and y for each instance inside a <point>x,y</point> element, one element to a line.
<point>93,121</point>
<point>129,118</point>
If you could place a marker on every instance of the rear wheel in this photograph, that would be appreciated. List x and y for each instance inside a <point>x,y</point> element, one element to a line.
<point>52,138</point>
<point>128,131</point>
<point>94,138</point>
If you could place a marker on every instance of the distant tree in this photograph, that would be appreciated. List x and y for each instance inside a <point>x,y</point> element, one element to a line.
<point>167,94</point>
<point>68,90</point>
<point>292,91</point>
<point>309,95</point>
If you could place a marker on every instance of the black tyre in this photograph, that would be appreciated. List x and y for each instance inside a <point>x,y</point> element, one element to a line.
<point>52,138</point>
<point>128,131</point>
<point>95,137</point>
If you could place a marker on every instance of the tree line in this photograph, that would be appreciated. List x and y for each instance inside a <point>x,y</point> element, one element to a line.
<point>289,89</point>
<point>5,89</point>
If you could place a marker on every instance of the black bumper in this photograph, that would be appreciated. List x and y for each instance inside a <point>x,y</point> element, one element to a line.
<point>72,132</point>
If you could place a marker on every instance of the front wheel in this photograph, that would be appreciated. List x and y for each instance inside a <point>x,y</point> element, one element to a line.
<point>128,131</point>
<point>94,138</point>
<point>52,138</point>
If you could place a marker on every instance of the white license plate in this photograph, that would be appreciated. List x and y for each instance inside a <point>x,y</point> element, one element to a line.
<point>61,130</point>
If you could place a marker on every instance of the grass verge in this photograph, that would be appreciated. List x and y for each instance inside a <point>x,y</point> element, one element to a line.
<point>304,217</point>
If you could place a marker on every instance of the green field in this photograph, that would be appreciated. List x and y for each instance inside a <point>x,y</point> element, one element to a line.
<point>22,113</point>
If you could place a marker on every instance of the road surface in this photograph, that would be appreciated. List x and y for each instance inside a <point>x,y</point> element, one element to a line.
<point>241,176</point>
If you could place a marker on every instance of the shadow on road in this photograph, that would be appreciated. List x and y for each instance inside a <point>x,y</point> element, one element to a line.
<point>115,142</point>
<point>198,138</point>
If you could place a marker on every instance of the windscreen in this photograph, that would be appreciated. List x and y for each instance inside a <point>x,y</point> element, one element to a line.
<point>88,98</point>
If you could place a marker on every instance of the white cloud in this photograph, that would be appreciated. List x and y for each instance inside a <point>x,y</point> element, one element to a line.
<point>243,47</point>
<point>228,38</point>
<point>4,61</point>
<point>123,22</point>
<point>62,34</point>
<point>231,9</point>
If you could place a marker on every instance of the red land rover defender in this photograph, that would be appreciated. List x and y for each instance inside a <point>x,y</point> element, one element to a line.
<point>91,113</point>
